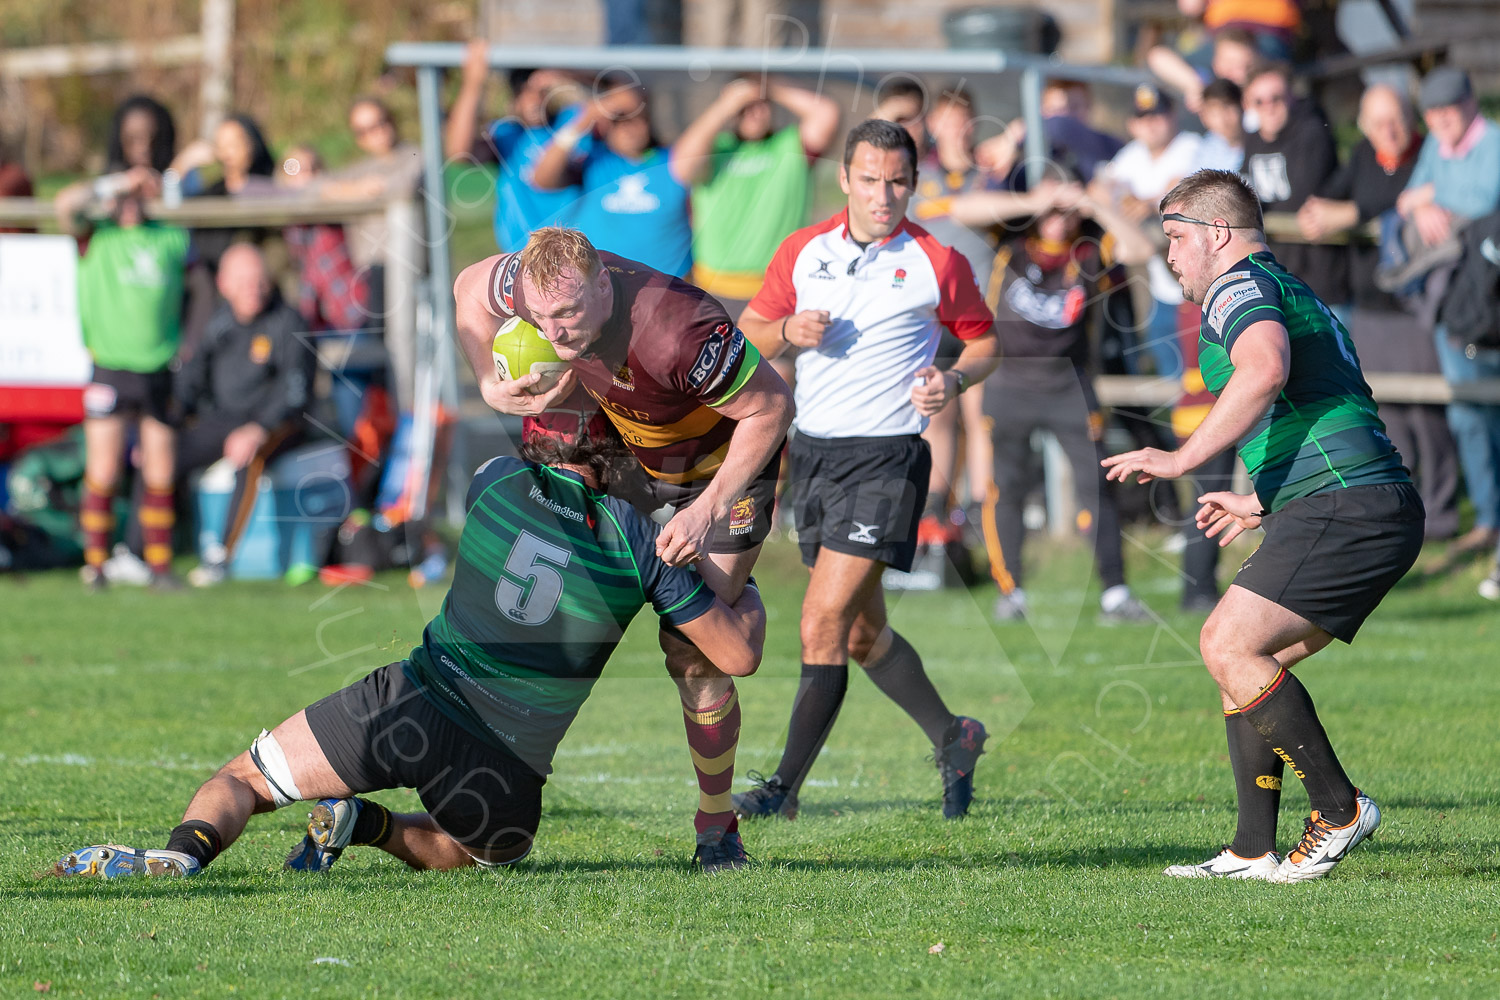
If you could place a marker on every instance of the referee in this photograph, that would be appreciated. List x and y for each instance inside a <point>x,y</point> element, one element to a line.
<point>866,295</point>
<point>1342,520</point>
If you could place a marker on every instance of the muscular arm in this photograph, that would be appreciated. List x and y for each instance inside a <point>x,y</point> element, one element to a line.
<point>732,638</point>
<point>477,325</point>
<point>762,411</point>
<point>1262,360</point>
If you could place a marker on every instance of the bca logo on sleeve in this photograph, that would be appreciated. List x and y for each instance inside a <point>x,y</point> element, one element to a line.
<point>505,284</point>
<point>712,350</point>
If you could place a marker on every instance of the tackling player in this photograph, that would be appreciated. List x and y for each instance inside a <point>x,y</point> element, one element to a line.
<point>550,572</point>
<point>866,294</point>
<point>1343,522</point>
<point>692,402</point>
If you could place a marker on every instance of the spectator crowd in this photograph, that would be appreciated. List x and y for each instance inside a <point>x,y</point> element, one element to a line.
<point>235,347</point>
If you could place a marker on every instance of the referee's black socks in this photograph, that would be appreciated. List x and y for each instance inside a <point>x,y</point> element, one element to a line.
<point>900,675</point>
<point>820,693</point>
<point>1257,787</point>
<point>1284,715</point>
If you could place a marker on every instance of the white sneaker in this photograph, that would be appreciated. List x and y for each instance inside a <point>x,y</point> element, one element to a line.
<point>1227,864</point>
<point>1322,846</point>
<point>1010,607</point>
<point>206,575</point>
<point>1489,587</point>
<point>125,567</point>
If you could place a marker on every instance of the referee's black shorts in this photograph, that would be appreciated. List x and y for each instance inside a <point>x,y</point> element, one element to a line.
<point>860,496</point>
<point>1332,557</point>
<point>382,732</point>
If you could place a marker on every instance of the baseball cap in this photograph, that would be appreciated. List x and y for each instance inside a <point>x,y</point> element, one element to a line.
<point>1150,100</point>
<point>1444,86</point>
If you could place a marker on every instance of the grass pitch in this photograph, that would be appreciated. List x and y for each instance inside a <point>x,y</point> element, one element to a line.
<point>1107,762</point>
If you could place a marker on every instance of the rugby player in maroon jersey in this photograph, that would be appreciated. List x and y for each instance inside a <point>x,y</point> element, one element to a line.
<point>694,404</point>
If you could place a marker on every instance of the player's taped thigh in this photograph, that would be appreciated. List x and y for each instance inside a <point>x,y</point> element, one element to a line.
<point>268,757</point>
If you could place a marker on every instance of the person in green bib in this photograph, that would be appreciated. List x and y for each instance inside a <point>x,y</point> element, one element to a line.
<point>750,180</point>
<point>130,286</point>
<point>1343,522</point>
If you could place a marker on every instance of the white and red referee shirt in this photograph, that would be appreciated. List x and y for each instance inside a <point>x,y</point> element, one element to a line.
<point>888,302</point>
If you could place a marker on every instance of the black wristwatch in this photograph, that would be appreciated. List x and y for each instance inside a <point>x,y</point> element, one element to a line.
<point>963,381</point>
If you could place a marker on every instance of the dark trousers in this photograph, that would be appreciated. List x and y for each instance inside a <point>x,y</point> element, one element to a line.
<point>1200,557</point>
<point>1420,433</point>
<point>1072,416</point>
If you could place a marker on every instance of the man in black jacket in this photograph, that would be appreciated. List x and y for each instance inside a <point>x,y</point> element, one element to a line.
<point>245,390</point>
<point>1286,162</point>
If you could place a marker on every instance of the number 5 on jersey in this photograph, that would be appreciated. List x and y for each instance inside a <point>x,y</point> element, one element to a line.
<point>531,587</point>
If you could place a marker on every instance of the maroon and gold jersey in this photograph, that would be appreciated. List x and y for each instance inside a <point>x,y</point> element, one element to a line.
<point>666,357</point>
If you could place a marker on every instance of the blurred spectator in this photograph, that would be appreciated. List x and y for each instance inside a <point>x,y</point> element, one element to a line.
<point>541,100</point>
<point>1456,179</point>
<point>1231,56</point>
<point>334,300</point>
<point>239,151</point>
<point>1156,158</point>
<point>1222,114</point>
<point>635,190</point>
<point>1074,144</point>
<point>130,286</point>
<point>1457,176</point>
<point>390,172</point>
<point>247,391</point>
<point>245,168</point>
<point>1287,161</point>
<point>141,134</point>
<point>391,169</point>
<point>1387,336</point>
<point>1046,276</point>
<point>750,182</point>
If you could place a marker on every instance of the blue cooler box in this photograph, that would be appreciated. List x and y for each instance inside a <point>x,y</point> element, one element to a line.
<point>299,502</point>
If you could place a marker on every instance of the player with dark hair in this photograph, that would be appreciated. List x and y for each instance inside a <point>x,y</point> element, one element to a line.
<point>693,403</point>
<point>866,294</point>
<point>1343,522</point>
<point>550,572</point>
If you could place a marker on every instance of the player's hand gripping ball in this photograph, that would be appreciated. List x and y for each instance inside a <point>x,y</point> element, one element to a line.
<point>520,349</point>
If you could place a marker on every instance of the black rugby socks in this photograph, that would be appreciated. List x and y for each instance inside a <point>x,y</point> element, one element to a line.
<point>196,839</point>
<point>900,676</point>
<point>819,696</point>
<point>1284,715</point>
<point>1257,787</point>
<point>373,825</point>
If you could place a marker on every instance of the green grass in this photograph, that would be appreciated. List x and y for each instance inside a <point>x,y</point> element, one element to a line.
<point>1108,763</point>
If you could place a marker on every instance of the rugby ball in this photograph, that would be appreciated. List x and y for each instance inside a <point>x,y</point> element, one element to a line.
<point>520,349</point>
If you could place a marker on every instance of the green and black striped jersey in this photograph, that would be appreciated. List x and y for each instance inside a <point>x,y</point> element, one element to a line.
<point>549,574</point>
<point>1322,432</point>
